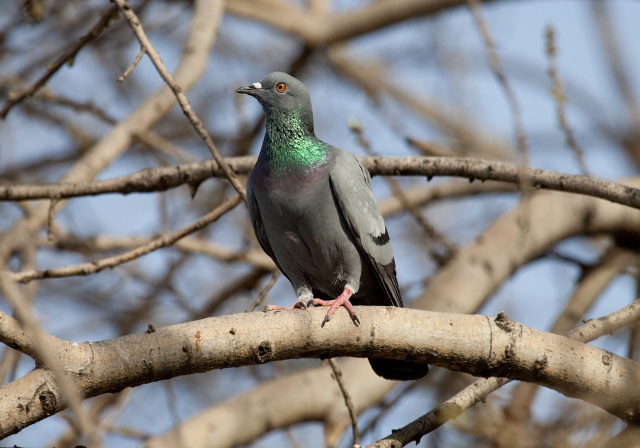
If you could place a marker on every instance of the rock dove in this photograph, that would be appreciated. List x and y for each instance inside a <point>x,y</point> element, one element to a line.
<point>314,214</point>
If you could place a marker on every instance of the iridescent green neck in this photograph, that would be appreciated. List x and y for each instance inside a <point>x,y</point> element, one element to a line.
<point>290,143</point>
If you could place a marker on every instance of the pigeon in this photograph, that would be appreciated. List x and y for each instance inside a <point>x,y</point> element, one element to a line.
<point>314,213</point>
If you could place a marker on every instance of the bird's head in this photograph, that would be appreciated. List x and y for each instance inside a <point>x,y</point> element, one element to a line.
<point>281,94</point>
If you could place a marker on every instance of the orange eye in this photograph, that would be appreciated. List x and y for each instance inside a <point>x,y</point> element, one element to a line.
<point>281,87</point>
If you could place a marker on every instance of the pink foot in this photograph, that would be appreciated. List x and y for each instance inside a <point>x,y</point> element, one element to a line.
<point>297,304</point>
<point>341,300</point>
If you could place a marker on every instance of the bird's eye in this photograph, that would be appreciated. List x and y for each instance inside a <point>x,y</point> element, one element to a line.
<point>281,87</point>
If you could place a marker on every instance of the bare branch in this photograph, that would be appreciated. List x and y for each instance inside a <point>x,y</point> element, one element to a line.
<point>518,412</point>
<point>557,91</point>
<point>263,294</point>
<point>471,343</point>
<point>256,257</point>
<point>426,194</point>
<point>160,179</point>
<point>480,390</point>
<point>12,334</point>
<point>133,65</point>
<point>201,36</point>
<point>324,29</point>
<point>498,71</point>
<point>353,416</point>
<point>136,26</point>
<point>374,80</point>
<point>53,67</point>
<point>46,358</point>
<point>506,245</point>
<point>110,262</point>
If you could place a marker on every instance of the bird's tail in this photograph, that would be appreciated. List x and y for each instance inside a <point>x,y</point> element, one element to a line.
<point>395,369</point>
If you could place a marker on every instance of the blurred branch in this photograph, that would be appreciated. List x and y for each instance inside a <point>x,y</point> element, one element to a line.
<point>160,179</point>
<point>498,71</point>
<point>373,79</point>
<point>69,55</point>
<point>197,48</point>
<point>446,248</point>
<point>557,91</point>
<point>353,416</point>
<point>509,243</point>
<point>187,244</point>
<point>425,194</point>
<point>310,393</point>
<point>110,262</point>
<point>480,390</point>
<point>595,280</point>
<point>263,294</point>
<point>246,282</point>
<point>612,52</point>
<point>471,343</point>
<point>43,349</point>
<point>321,28</point>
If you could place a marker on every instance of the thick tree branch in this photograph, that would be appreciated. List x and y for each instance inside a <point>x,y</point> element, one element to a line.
<point>517,413</point>
<point>480,390</point>
<point>471,343</point>
<point>12,335</point>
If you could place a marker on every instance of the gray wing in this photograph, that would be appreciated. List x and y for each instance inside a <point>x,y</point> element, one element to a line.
<point>258,226</point>
<point>351,186</point>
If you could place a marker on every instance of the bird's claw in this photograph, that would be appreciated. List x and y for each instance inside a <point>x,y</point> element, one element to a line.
<point>354,319</point>
<point>297,304</point>
<point>334,305</point>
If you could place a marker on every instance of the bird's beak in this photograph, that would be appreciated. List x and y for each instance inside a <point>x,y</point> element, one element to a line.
<point>251,89</point>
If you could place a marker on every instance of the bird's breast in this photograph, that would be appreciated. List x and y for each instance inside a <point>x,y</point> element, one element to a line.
<point>308,235</point>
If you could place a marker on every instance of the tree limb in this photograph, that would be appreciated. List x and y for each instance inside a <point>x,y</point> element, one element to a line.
<point>475,344</point>
<point>479,390</point>
<point>116,260</point>
<point>160,179</point>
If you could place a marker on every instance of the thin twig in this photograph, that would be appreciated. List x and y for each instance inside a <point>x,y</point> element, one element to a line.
<point>337,374</point>
<point>53,67</point>
<point>136,27</point>
<point>557,91</point>
<point>198,245</point>
<point>387,406</point>
<point>263,294</point>
<point>498,71</point>
<point>110,262</point>
<point>133,65</point>
<point>246,282</point>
